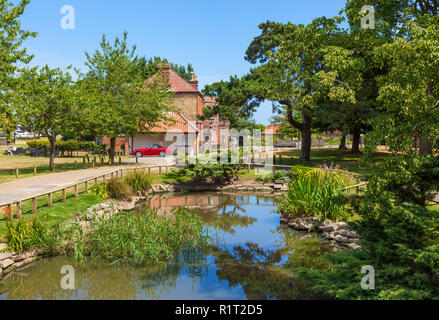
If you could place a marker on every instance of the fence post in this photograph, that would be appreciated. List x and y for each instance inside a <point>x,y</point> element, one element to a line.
<point>160,170</point>
<point>137,160</point>
<point>120,160</point>
<point>149,171</point>
<point>64,195</point>
<point>249,168</point>
<point>76,191</point>
<point>86,186</point>
<point>35,170</point>
<point>96,181</point>
<point>34,205</point>
<point>112,175</point>
<point>50,200</point>
<point>19,210</point>
<point>10,215</point>
<point>83,160</point>
<point>16,172</point>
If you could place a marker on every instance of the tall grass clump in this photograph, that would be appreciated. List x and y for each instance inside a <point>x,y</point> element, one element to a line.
<point>317,193</point>
<point>139,181</point>
<point>119,189</point>
<point>141,237</point>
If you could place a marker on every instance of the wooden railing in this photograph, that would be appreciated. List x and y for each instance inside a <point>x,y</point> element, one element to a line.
<point>118,173</point>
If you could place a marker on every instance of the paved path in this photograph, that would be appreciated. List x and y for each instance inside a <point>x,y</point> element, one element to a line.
<point>26,188</point>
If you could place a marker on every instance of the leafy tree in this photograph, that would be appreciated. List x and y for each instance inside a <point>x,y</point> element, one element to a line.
<point>236,102</point>
<point>46,103</point>
<point>11,55</point>
<point>408,93</point>
<point>149,67</point>
<point>291,57</point>
<point>119,102</point>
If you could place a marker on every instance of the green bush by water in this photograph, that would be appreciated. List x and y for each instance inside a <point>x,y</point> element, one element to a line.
<point>119,189</point>
<point>139,181</point>
<point>317,193</point>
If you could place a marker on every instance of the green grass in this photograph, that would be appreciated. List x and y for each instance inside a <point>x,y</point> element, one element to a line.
<point>59,211</point>
<point>26,164</point>
<point>340,158</point>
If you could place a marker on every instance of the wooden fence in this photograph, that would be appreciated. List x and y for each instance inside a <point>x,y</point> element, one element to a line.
<point>118,174</point>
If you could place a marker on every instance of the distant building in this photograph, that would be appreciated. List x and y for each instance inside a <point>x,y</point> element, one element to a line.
<point>186,128</point>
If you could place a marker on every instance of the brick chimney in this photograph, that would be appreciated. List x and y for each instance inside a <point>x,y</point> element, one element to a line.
<point>194,80</point>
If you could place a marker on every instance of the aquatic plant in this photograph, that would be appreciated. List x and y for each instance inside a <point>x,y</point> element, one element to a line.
<point>139,181</point>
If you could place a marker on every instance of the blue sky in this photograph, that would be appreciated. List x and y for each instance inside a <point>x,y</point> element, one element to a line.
<point>212,35</point>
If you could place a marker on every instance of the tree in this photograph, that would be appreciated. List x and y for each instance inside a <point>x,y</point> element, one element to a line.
<point>291,57</point>
<point>149,67</point>
<point>46,103</point>
<point>408,93</point>
<point>119,100</point>
<point>11,55</point>
<point>236,102</point>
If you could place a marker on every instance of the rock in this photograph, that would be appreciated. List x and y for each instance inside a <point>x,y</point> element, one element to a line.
<point>25,255</point>
<point>270,185</point>
<point>340,225</point>
<point>278,186</point>
<point>340,238</point>
<point>284,188</point>
<point>3,246</point>
<point>279,182</point>
<point>6,255</point>
<point>329,235</point>
<point>25,261</point>
<point>6,263</point>
<point>347,233</point>
<point>354,246</point>
<point>308,236</point>
<point>339,249</point>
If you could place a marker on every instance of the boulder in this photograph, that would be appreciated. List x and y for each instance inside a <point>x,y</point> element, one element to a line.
<point>6,255</point>
<point>3,246</point>
<point>343,239</point>
<point>347,233</point>
<point>329,235</point>
<point>6,263</point>
<point>25,261</point>
<point>354,246</point>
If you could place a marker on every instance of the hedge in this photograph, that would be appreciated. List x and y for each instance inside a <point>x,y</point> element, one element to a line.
<point>66,146</point>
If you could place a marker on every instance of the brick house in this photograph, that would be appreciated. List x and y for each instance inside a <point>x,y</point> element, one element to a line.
<point>186,131</point>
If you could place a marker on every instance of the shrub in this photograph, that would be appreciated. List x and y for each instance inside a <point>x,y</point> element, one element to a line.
<point>317,193</point>
<point>99,190</point>
<point>139,181</point>
<point>119,189</point>
<point>400,239</point>
<point>24,235</point>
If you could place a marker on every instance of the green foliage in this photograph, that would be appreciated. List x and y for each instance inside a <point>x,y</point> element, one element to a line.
<point>22,235</point>
<point>142,237</point>
<point>12,58</point>
<point>317,193</point>
<point>119,189</point>
<point>400,239</point>
<point>99,190</point>
<point>139,181</point>
<point>68,146</point>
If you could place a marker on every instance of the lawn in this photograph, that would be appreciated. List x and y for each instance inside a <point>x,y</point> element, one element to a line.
<point>332,156</point>
<point>59,211</point>
<point>8,164</point>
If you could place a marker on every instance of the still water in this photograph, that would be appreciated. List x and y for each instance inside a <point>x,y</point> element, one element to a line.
<point>253,257</point>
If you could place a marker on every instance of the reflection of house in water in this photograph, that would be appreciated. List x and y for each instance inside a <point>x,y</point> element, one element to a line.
<point>165,205</point>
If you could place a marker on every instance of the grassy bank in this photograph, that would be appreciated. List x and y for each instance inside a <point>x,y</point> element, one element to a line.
<point>341,158</point>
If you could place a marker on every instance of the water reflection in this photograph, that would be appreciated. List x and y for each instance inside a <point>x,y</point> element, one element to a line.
<point>254,257</point>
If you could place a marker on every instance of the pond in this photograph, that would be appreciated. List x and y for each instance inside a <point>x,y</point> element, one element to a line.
<point>253,257</point>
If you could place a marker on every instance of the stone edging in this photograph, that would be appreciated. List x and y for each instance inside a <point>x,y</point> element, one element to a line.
<point>338,235</point>
<point>237,187</point>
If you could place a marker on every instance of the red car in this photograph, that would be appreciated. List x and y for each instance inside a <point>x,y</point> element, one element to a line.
<point>154,150</point>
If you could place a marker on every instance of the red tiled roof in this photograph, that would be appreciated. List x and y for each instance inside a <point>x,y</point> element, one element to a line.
<point>173,79</point>
<point>180,124</point>
<point>273,129</point>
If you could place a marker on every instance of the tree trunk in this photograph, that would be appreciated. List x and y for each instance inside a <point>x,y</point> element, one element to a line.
<point>52,141</point>
<point>112,149</point>
<point>343,142</point>
<point>356,142</point>
<point>305,152</point>
<point>425,146</point>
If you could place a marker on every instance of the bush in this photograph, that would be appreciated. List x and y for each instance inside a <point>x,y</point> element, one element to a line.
<point>317,193</point>
<point>139,181</point>
<point>99,190</point>
<point>400,239</point>
<point>24,235</point>
<point>119,189</point>
<point>68,146</point>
